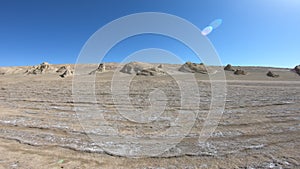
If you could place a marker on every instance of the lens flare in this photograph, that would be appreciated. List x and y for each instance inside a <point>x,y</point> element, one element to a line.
<point>207,30</point>
<point>213,25</point>
<point>216,23</point>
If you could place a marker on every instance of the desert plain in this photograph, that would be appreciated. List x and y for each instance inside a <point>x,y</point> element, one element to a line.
<point>39,127</point>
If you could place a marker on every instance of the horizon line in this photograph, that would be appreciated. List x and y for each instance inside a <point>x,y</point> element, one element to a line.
<point>223,65</point>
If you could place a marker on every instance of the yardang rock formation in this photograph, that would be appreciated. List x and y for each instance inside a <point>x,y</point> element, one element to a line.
<point>193,68</point>
<point>239,72</point>
<point>101,68</point>
<point>272,74</point>
<point>143,69</point>
<point>40,69</point>
<point>229,68</point>
<point>297,69</point>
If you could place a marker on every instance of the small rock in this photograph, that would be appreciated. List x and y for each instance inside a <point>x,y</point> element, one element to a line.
<point>239,72</point>
<point>297,69</point>
<point>272,74</point>
<point>228,67</point>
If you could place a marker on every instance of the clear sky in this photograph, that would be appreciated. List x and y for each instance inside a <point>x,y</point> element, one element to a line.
<point>253,32</point>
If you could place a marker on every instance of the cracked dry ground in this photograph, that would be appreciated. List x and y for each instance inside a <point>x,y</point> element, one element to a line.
<point>40,129</point>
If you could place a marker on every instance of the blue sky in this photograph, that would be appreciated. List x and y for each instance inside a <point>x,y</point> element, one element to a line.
<point>256,32</point>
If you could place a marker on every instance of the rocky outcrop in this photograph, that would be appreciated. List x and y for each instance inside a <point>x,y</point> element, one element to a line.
<point>101,68</point>
<point>297,69</point>
<point>62,69</point>
<point>135,67</point>
<point>228,67</point>
<point>155,71</point>
<point>193,68</point>
<point>66,73</point>
<point>40,69</point>
<point>239,72</point>
<point>142,69</point>
<point>272,74</point>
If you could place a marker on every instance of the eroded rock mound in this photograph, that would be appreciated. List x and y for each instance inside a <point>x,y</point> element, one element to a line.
<point>111,66</point>
<point>101,68</point>
<point>228,67</point>
<point>193,68</point>
<point>272,74</point>
<point>154,71</point>
<point>40,69</point>
<point>68,72</point>
<point>297,69</point>
<point>239,72</point>
<point>65,71</point>
<point>62,69</point>
<point>143,69</point>
<point>135,67</point>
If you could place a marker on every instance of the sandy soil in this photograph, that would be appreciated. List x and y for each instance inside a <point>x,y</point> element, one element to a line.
<point>259,127</point>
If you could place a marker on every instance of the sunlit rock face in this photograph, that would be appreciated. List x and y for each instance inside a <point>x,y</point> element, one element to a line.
<point>193,68</point>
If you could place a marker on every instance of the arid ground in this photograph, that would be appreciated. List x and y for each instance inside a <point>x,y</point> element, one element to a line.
<point>39,128</point>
